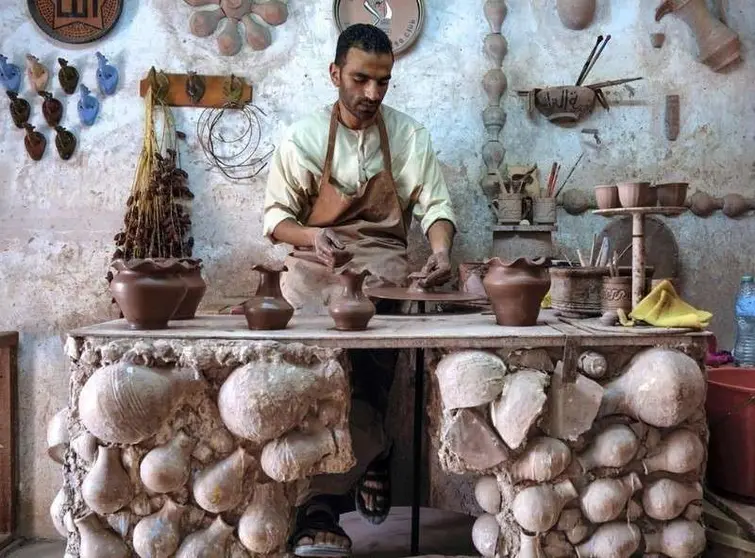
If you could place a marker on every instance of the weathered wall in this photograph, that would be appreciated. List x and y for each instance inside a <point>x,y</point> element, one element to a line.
<point>57,219</point>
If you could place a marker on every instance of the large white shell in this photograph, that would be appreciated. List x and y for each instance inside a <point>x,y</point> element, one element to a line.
<point>519,406</point>
<point>470,378</point>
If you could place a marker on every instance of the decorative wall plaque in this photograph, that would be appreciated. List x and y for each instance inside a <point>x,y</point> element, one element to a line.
<point>400,19</point>
<point>75,21</point>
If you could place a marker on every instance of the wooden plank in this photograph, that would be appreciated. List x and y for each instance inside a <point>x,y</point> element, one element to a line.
<point>214,95</point>
<point>743,514</point>
<point>8,338</point>
<point>8,464</point>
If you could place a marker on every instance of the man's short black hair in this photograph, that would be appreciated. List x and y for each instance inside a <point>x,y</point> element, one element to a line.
<point>364,37</point>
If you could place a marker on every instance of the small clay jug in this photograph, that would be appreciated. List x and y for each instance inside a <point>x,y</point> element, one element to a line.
<point>148,291</point>
<point>65,142</point>
<point>52,109</point>
<point>35,142</point>
<point>20,110</point>
<point>196,288</point>
<point>516,289</point>
<point>267,309</point>
<point>349,308</point>
<point>68,76</point>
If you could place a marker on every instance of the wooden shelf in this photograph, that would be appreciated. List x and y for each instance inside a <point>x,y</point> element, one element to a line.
<point>667,211</point>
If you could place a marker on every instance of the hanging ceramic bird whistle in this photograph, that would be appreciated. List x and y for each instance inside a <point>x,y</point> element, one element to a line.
<point>20,110</point>
<point>88,106</point>
<point>10,75</point>
<point>68,76</point>
<point>107,75</point>
<point>52,109</point>
<point>37,73</point>
<point>65,143</point>
<point>34,142</point>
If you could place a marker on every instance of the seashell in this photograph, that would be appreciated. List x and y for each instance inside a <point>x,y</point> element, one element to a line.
<point>678,539</point>
<point>207,543</point>
<point>158,535</point>
<point>572,407</point>
<point>257,36</point>
<point>68,521</point>
<point>613,447</point>
<point>204,23</point>
<point>537,508</point>
<point>166,468</point>
<point>575,14</point>
<point>57,436</point>
<point>56,512</point>
<point>543,460</point>
<point>488,494</point>
<point>666,499</point>
<point>617,540</point>
<point>469,437</point>
<point>681,452</point>
<point>661,387</point>
<point>485,532</point>
<point>604,499</point>
<point>218,488</point>
<point>85,446</point>
<point>263,528</point>
<point>592,364</point>
<point>519,406</point>
<point>529,546</point>
<point>470,378</point>
<point>693,512</point>
<point>107,487</point>
<point>221,441</point>
<point>124,403</point>
<point>296,454</point>
<point>97,541</point>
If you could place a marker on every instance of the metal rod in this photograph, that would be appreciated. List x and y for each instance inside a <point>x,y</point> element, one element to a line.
<point>587,62</point>
<point>419,410</point>
<point>569,175</point>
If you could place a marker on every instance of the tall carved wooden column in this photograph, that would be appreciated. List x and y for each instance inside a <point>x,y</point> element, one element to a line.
<point>494,84</point>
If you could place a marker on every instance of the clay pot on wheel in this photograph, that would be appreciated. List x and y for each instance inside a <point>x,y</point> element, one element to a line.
<point>267,309</point>
<point>516,289</point>
<point>148,291</point>
<point>350,309</point>
<point>196,287</point>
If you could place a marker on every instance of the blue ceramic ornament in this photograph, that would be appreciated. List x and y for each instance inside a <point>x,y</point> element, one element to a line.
<point>10,75</point>
<point>88,106</point>
<point>107,75</point>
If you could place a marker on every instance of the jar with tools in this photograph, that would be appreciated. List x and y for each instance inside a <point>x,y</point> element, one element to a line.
<point>513,204</point>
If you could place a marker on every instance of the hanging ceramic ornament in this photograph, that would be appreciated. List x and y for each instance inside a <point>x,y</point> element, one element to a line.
<point>107,75</point>
<point>35,143</point>
<point>20,110</point>
<point>10,75</point>
<point>88,106</point>
<point>52,109</point>
<point>575,14</point>
<point>37,73</point>
<point>65,142</point>
<point>68,76</point>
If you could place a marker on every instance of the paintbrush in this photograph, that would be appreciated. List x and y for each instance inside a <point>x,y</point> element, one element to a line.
<point>581,78</point>
<point>568,176</point>
<point>594,60</point>
<point>549,184</point>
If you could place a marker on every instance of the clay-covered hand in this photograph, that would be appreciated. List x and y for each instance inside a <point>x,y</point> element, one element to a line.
<point>329,248</point>
<point>437,270</point>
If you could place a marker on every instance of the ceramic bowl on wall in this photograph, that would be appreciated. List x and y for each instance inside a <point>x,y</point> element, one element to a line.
<point>566,104</point>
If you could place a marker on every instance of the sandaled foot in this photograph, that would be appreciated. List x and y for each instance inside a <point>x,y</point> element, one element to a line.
<point>372,496</point>
<point>319,535</point>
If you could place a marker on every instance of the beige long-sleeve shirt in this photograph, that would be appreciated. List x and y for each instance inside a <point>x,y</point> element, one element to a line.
<point>297,165</point>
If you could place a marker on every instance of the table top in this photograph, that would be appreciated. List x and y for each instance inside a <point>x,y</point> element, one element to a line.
<point>470,330</point>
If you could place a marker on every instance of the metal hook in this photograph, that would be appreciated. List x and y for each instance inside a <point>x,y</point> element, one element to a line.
<point>195,87</point>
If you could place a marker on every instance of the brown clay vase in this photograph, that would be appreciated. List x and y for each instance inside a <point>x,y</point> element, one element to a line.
<point>196,287</point>
<point>267,309</point>
<point>20,110</point>
<point>349,308</point>
<point>148,291</point>
<point>35,142</point>
<point>52,109</point>
<point>516,289</point>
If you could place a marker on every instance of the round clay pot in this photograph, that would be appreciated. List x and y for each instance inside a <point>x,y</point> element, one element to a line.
<point>672,194</point>
<point>516,289</point>
<point>633,194</point>
<point>268,309</point>
<point>196,288</point>
<point>616,294</point>
<point>148,291</point>
<point>349,308</point>
<point>576,291</point>
<point>607,196</point>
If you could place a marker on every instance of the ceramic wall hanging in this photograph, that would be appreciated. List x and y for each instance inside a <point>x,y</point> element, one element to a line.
<point>52,109</point>
<point>575,14</point>
<point>65,142</point>
<point>34,142</point>
<point>107,75</point>
<point>68,76</point>
<point>230,13</point>
<point>75,21</point>
<point>37,73</point>
<point>88,106</point>
<point>401,20</point>
<point>20,110</point>
<point>10,75</point>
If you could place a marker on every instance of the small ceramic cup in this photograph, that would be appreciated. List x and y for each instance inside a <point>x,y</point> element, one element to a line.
<point>633,194</point>
<point>544,211</point>
<point>509,208</point>
<point>607,196</point>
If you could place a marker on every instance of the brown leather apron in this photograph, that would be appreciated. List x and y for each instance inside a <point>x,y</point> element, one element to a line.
<point>371,224</point>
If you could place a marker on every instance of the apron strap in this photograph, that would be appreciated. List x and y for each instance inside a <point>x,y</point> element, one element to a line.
<point>326,170</point>
<point>384,145</point>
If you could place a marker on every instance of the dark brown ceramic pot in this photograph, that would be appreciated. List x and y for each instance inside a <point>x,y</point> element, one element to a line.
<point>196,288</point>
<point>349,308</point>
<point>149,291</point>
<point>267,309</point>
<point>516,289</point>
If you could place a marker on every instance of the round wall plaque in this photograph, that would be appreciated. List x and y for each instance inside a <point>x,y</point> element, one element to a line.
<point>400,19</point>
<point>76,21</point>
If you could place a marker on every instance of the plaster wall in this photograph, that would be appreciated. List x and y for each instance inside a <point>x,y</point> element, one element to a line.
<point>57,219</point>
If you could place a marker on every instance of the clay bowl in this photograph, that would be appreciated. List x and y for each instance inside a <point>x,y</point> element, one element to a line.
<point>566,104</point>
<point>607,196</point>
<point>633,194</point>
<point>672,194</point>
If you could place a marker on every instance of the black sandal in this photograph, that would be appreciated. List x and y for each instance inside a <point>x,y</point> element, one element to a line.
<point>379,472</point>
<point>310,525</point>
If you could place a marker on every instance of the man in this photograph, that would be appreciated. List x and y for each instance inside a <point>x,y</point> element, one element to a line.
<point>342,189</point>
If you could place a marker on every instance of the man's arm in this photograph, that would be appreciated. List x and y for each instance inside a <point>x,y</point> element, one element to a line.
<point>326,244</point>
<point>438,266</point>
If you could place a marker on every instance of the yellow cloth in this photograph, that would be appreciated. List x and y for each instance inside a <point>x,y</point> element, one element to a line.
<point>663,307</point>
<point>546,303</point>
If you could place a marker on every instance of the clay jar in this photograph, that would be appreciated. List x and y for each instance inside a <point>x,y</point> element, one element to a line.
<point>349,308</point>
<point>267,309</point>
<point>607,196</point>
<point>148,291</point>
<point>195,289</point>
<point>516,289</point>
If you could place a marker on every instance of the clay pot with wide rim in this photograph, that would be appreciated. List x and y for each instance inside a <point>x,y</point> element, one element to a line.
<point>148,291</point>
<point>672,194</point>
<point>516,289</point>
<point>196,288</point>
<point>633,194</point>
<point>607,196</point>
<point>576,291</point>
<point>350,309</point>
<point>268,309</point>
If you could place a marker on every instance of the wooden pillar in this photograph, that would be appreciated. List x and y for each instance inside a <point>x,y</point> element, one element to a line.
<point>638,258</point>
<point>8,428</point>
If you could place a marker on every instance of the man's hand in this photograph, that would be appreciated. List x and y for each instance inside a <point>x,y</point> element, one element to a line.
<point>329,249</point>
<point>437,270</point>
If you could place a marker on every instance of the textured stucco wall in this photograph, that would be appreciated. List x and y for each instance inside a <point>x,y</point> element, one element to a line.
<point>57,218</point>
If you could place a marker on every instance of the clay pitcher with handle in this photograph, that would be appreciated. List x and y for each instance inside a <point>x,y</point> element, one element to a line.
<point>267,309</point>
<point>350,309</point>
<point>516,289</point>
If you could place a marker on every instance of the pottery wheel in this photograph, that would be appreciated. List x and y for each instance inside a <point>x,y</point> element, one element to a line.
<point>661,249</point>
<point>402,293</point>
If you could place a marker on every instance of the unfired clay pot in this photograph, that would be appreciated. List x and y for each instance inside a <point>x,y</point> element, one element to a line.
<point>516,289</point>
<point>196,287</point>
<point>149,291</point>
<point>672,194</point>
<point>633,194</point>
<point>350,309</point>
<point>607,196</point>
<point>267,309</point>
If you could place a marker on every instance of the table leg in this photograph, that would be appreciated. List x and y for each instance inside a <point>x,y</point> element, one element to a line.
<point>638,258</point>
<point>419,410</point>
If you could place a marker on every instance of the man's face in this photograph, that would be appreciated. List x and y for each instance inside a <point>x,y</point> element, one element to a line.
<point>362,82</point>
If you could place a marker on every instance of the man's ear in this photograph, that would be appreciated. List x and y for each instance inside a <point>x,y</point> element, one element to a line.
<point>335,74</point>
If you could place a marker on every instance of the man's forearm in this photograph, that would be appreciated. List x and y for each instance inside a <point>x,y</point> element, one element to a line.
<point>291,232</point>
<point>441,236</point>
